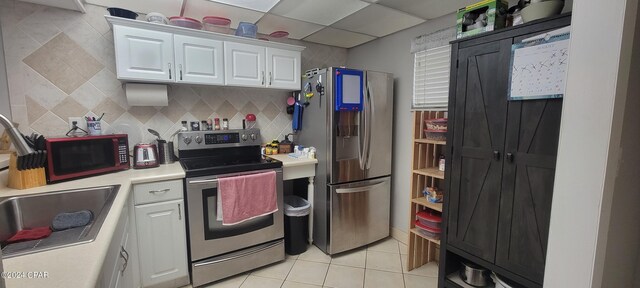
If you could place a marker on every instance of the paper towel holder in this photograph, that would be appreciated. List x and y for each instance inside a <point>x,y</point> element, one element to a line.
<point>137,94</point>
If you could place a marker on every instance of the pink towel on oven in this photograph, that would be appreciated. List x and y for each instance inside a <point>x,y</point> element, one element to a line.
<point>246,197</point>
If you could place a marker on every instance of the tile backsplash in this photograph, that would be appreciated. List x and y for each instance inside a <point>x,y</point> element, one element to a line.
<point>61,64</point>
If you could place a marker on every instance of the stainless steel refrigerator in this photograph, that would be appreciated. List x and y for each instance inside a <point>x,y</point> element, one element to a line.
<point>349,119</point>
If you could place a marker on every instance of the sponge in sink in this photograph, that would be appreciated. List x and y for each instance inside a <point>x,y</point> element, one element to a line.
<point>64,221</point>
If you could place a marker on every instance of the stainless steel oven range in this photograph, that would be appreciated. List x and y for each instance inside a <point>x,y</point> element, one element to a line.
<point>217,251</point>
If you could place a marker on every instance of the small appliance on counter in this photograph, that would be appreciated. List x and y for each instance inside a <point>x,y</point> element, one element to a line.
<point>165,148</point>
<point>145,156</point>
<point>76,157</point>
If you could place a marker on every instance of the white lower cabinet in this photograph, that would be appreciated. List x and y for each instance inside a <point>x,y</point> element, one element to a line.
<point>124,278</point>
<point>118,264</point>
<point>161,235</point>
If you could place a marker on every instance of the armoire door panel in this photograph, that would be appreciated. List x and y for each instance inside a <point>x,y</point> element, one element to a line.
<point>542,117</point>
<point>532,138</point>
<point>478,141</point>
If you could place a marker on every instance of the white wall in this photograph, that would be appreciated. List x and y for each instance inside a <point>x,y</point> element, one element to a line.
<point>5,108</point>
<point>595,169</point>
<point>623,235</point>
<point>392,54</point>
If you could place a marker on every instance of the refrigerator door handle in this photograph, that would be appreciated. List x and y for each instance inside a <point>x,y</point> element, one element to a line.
<point>359,189</point>
<point>371,112</point>
<point>361,123</point>
<point>365,114</point>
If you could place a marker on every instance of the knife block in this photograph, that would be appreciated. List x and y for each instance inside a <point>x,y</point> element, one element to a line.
<point>24,179</point>
<point>5,143</point>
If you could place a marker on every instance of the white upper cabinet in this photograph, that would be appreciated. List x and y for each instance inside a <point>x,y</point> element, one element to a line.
<point>143,55</point>
<point>283,69</point>
<point>198,60</point>
<point>150,52</point>
<point>245,64</point>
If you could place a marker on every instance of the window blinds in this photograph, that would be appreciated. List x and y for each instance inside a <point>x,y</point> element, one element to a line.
<point>431,78</point>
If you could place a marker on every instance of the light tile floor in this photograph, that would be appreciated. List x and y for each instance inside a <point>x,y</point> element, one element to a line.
<point>381,264</point>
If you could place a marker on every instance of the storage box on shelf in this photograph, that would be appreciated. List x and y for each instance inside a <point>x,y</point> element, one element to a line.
<point>424,241</point>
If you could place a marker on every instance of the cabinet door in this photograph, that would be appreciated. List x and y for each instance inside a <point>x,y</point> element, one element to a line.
<point>143,55</point>
<point>478,142</point>
<point>244,64</point>
<point>531,145</point>
<point>198,60</point>
<point>125,265</point>
<point>161,241</point>
<point>283,69</point>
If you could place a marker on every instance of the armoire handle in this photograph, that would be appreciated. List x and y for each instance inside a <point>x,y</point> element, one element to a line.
<point>510,157</point>
<point>496,155</point>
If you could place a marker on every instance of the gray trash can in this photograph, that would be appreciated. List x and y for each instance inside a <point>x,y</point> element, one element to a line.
<point>296,224</point>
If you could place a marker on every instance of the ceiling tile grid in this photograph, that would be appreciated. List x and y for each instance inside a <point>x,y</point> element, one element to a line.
<point>342,23</point>
<point>377,20</point>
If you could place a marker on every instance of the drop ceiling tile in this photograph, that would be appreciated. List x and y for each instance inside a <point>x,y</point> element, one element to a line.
<point>324,12</point>
<point>387,21</point>
<point>198,9</point>
<point>258,5</point>
<point>297,29</point>
<point>337,37</point>
<point>427,9</point>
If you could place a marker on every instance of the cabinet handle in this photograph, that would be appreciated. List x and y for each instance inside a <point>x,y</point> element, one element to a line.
<point>169,71</point>
<point>180,68</point>
<point>496,155</point>
<point>160,191</point>
<point>510,157</point>
<point>262,77</point>
<point>270,78</point>
<point>125,255</point>
<point>179,212</point>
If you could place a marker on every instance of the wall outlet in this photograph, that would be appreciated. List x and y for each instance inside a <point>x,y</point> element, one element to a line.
<point>80,122</point>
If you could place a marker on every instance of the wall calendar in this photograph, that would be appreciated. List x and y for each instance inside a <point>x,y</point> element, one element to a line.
<point>539,67</point>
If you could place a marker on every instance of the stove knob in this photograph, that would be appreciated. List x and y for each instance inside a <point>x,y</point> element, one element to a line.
<point>253,136</point>
<point>187,140</point>
<point>244,137</point>
<point>198,139</point>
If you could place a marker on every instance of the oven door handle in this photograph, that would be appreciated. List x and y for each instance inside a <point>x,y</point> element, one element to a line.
<point>215,181</point>
<point>240,255</point>
<point>203,181</point>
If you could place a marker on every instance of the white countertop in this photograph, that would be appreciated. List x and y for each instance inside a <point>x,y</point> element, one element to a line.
<point>4,161</point>
<point>288,161</point>
<point>80,265</point>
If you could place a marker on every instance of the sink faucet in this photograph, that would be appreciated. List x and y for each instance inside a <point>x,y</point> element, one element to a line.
<point>16,137</point>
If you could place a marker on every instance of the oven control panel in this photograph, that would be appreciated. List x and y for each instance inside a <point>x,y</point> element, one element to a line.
<point>222,138</point>
<point>190,140</point>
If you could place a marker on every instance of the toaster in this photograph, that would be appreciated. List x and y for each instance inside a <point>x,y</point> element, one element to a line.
<point>145,156</point>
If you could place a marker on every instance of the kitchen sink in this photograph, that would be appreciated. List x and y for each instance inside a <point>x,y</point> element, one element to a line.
<point>38,210</point>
